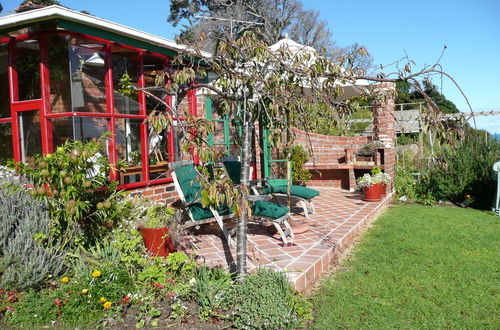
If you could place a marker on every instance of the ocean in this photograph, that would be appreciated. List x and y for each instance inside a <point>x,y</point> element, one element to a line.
<point>496,136</point>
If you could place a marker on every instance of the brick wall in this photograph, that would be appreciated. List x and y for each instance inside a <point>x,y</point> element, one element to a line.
<point>164,192</point>
<point>328,150</point>
<point>384,123</point>
<point>328,163</point>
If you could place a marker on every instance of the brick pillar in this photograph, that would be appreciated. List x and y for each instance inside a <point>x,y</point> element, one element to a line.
<point>384,123</point>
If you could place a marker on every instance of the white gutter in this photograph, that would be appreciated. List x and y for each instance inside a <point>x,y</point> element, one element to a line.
<point>55,12</point>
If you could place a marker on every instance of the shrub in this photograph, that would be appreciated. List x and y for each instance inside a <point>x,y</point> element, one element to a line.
<point>74,182</point>
<point>465,169</point>
<point>27,255</point>
<point>299,156</point>
<point>265,300</point>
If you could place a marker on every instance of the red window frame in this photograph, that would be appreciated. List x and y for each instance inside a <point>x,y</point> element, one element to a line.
<point>44,107</point>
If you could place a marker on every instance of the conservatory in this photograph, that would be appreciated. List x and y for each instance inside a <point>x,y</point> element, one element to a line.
<point>62,74</point>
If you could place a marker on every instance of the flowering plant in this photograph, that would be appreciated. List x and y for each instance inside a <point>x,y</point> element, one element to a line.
<point>365,181</point>
<point>382,177</point>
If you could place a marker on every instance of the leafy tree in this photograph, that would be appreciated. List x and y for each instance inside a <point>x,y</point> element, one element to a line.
<point>34,4</point>
<point>275,18</point>
<point>254,85</point>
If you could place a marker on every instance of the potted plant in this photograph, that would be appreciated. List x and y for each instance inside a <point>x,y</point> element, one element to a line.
<point>155,231</point>
<point>384,179</point>
<point>371,188</point>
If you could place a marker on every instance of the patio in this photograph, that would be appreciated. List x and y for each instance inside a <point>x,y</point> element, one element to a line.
<point>339,217</point>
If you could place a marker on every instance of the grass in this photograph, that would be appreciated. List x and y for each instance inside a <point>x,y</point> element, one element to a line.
<point>418,267</point>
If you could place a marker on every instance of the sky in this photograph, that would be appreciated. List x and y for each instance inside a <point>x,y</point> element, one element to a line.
<point>470,30</point>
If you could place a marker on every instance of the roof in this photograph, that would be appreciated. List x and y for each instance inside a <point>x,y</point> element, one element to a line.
<point>77,18</point>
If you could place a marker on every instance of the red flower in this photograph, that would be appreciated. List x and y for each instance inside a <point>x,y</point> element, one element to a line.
<point>158,285</point>
<point>10,309</point>
<point>58,302</point>
<point>171,294</point>
<point>126,299</point>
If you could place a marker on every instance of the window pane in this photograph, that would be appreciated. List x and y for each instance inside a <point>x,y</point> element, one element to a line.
<point>88,128</point>
<point>62,130</point>
<point>28,69</point>
<point>60,82</point>
<point>128,148</point>
<point>88,90</point>
<point>5,142</point>
<point>4,82</point>
<point>31,141</point>
<point>152,67</point>
<point>158,155</point>
<point>125,74</point>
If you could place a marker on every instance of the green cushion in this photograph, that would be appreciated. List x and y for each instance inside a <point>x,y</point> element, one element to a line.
<point>297,191</point>
<point>190,186</point>
<point>202,213</point>
<point>233,169</point>
<point>269,210</point>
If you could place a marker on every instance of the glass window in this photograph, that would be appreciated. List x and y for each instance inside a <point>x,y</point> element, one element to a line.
<point>88,128</point>
<point>4,82</point>
<point>152,67</point>
<point>158,154</point>
<point>87,68</point>
<point>5,142</point>
<point>60,82</point>
<point>62,130</point>
<point>125,74</point>
<point>29,130</point>
<point>128,148</point>
<point>28,69</point>
<point>78,128</point>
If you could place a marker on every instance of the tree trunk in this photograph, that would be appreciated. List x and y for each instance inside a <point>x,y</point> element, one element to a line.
<point>242,230</point>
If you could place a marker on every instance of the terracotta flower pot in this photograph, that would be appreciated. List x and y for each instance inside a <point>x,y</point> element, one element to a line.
<point>373,193</point>
<point>156,241</point>
<point>383,189</point>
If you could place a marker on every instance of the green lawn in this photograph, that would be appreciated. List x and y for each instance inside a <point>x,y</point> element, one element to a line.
<point>418,267</point>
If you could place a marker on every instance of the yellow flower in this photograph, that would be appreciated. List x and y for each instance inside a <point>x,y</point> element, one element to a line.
<point>102,300</point>
<point>65,279</point>
<point>96,273</point>
<point>85,291</point>
<point>106,305</point>
<point>467,196</point>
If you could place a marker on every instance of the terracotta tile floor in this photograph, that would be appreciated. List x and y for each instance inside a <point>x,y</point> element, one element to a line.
<point>335,224</point>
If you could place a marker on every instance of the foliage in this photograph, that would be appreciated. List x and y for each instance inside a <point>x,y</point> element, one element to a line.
<point>319,118</point>
<point>407,138</point>
<point>465,169</point>
<point>365,181</point>
<point>212,291</point>
<point>42,3</point>
<point>408,94</point>
<point>418,267</point>
<point>27,255</point>
<point>265,300</point>
<point>81,300</point>
<point>277,18</point>
<point>74,183</point>
<point>298,157</point>
<point>375,176</point>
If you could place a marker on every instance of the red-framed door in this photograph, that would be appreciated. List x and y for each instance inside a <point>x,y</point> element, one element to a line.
<point>30,127</point>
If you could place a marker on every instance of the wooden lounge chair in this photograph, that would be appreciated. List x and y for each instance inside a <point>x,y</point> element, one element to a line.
<point>274,187</point>
<point>189,189</point>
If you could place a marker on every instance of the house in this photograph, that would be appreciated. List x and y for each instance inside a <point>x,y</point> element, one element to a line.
<point>61,73</point>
